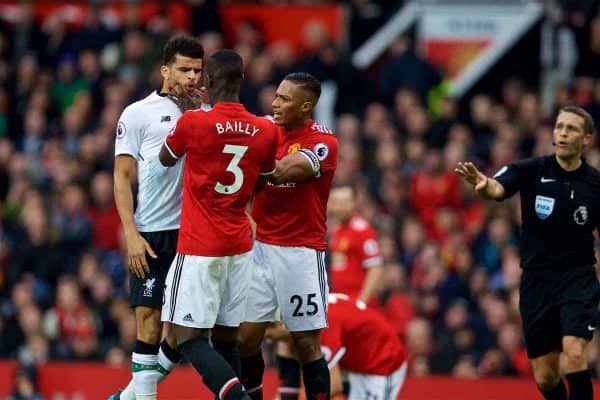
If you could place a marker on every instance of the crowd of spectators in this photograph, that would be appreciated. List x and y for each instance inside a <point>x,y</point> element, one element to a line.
<point>451,260</point>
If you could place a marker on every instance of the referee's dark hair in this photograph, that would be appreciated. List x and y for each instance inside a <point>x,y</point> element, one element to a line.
<point>225,70</point>
<point>588,121</point>
<point>187,46</point>
<point>307,82</point>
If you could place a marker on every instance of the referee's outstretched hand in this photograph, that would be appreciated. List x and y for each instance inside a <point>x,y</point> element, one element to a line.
<point>469,172</point>
<point>137,247</point>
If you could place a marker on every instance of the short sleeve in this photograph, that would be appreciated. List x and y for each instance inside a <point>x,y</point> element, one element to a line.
<point>268,167</point>
<point>369,250</point>
<point>325,149</point>
<point>130,133</point>
<point>177,142</point>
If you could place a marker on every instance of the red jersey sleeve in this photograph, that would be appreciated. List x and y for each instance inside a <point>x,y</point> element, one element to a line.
<point>177,142</point>
<point>268,167</point>
<point>331,344</point>
<point>369,249</point>
<point>325,149</point>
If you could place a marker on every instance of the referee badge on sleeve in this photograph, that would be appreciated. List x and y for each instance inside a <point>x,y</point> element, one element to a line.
<point>543,206</point>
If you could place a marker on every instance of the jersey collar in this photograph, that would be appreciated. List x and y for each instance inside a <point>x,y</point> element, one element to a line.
<point>555,166</point>
<point>300,130</point>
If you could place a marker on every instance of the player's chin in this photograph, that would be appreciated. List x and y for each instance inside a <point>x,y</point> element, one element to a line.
<point>278,119</point>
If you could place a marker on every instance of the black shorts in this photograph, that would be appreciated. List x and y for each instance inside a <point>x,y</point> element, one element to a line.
<point>148,291</point>
<point>558,303</point>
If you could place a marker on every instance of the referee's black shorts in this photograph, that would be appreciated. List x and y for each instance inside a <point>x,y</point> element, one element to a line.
<point>148,291</point>
<point>557,303</point>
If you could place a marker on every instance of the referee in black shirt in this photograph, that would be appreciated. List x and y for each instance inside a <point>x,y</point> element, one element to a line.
<point>559,291</point>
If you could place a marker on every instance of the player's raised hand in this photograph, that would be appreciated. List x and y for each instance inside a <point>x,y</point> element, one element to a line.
<point>137,247</point>
<point>186,99</point>
<point>469,172</point>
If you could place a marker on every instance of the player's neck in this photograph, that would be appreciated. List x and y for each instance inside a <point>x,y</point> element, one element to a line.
<point>223,98</point>
<point>570,163</point>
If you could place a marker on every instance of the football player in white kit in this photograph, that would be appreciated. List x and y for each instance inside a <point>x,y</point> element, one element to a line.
<point>151,232</point>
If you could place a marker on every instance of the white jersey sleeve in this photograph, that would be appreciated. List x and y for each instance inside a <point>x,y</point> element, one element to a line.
<point>130,133</point>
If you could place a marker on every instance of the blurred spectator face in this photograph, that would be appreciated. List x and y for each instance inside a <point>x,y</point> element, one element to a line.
<point>509,339</point>
<point>248,33</point>
<point>282,53</point>
<point>417,123</point>
<point>499,115</point>
<point>6,150</point>
<point>73,200</point>
<point>39,100</point>
<point>89,63</point>
<point>211,42</point>
<point>595,34</point>
<point>21,295</point>
<point>394,277</point>
<point>412,235</point>
<point>30,319</point>
<point>102,289</point>
<point>36,351</point>
<point>502,153</point>
<point>72,121</point>
<point>67,295</point>
<point>387,155</point>
<point>507,132</point>
<point>261,69</point>
<point>66,69</point>
<point>418,337</point>
<point>499,231</point>
<point>511,94</point>
<point>433,161</point>
<point>405,101</point>
<point>453,153</point>
<point>481,109</point>
<point>341,203</point>
<point>414,149</point>
<point>27,70</point>
<point>543,141</point>
<point>315,36</point>
<point>35,123</point>
<point>496,314</point>
<point>376,116</point>
<point>265,99</point>
<point>478,283</point>
<point>134,46</point>
<point>388,248</point>
<point>448,108</point>
<point>89,266</point>
<point>348,128</point>
<point>102,189</point>
<point>593,158</point>
<point>116,357</point>
<point>460,134</point>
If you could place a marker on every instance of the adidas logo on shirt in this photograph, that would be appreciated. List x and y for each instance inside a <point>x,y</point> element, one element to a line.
<point>188,318</point>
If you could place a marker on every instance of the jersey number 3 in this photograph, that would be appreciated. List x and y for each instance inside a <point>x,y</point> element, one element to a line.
<point>233,167</point>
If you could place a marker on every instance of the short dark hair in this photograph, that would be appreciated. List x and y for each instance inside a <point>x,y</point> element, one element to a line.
<point>307,82</point>
<point>187,46</point>
<point>225,70</point>
<point>588,121</point>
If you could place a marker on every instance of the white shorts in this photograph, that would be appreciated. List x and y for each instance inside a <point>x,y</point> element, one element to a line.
<point>291,283</point>
<point>202,292</point>
<point>377,387</point>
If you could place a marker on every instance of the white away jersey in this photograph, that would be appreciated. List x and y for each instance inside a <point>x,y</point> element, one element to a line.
<point>141,132</point>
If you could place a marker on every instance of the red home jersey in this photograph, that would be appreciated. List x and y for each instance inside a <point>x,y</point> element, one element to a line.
<point>354,248</point>
<point>359,339</point>
<point>226,149</point>
<point>295,214</point>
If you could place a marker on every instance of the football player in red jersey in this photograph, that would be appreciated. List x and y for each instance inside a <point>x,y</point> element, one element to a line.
<point>360,342</point>
<point>289,276</point>
<point>226,150</point>
<point>356,263</point>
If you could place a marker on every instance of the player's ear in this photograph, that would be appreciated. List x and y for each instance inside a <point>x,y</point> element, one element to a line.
<point>587,139</point>
<point>164,71</point>
<point>307,107</point>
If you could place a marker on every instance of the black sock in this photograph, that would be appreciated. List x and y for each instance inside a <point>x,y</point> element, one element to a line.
<point>253,368</point>
<point>289,378</point>
<point>173,355</point>
<point>215,371</point>
<point>316,380</point>
<point>145,348</point>
<point>231,353</point>
<point>580,385</point>
<point>558,393</point>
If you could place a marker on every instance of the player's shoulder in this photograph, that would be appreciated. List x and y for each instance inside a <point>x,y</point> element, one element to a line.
<point>593,176</point>
<point>322,132</point>
<point>359,224</point>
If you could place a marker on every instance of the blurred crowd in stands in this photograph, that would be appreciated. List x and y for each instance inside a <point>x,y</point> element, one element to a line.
<point>451,260</point>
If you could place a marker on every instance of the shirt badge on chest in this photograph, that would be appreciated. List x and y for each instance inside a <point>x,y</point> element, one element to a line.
<point>580,216</point>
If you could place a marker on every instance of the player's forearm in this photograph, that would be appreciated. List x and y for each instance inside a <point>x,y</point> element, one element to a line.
<point>493,190</point>
<point>337,387</point>
<point>372,283</point>
<point>124,202</point>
